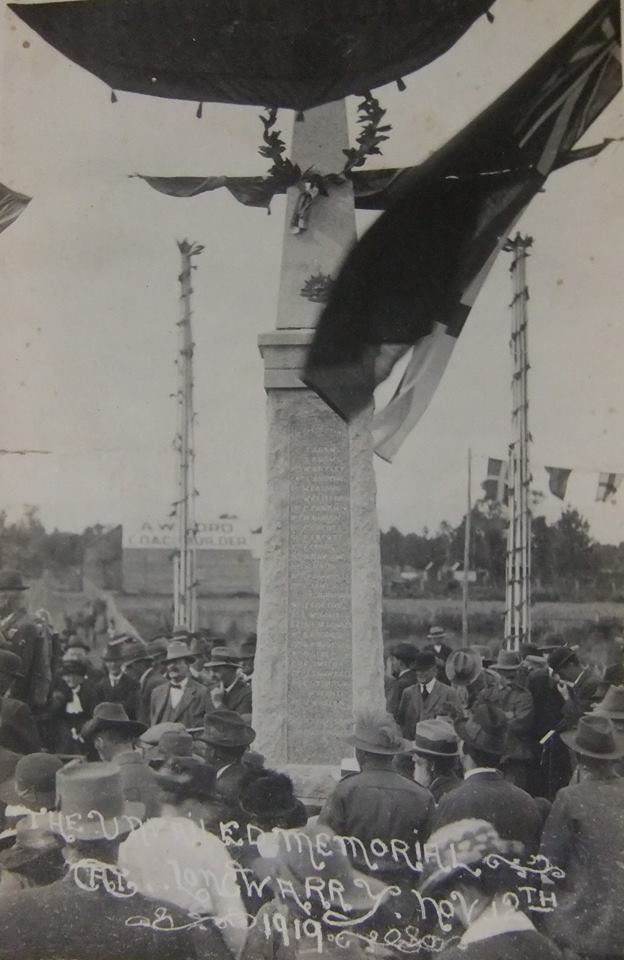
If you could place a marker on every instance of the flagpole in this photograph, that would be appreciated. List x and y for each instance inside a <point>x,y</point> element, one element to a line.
<point>467,555</point>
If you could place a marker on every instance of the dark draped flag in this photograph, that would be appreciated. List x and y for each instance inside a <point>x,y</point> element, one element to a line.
<point>282,53</point>
<point>11,205</point>
<point>558,481</point>
<point>412,279</point>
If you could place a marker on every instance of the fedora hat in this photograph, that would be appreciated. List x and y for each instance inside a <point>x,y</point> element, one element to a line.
<point>377,733</point>
<point>36,772</point>
<point>92,804</point>
<point>134,651</point>
<point>11,581</point>
<point>73,667</point>
<point>222,657</point>
<point>435,738</point>
<point>436,633</point>
<point>177,650</point>
<point>404,650</point>
<point>33,840</point>
<point>111,716</point>
<point>486,729</point>
<point>595,736</point>
<point>559,657</point>
<point>114,650</point>
<point>464,666</point>
<point>507,660</point>
<point>612,704</point>
<point>225,728</point>
<point>157,647</point>
<point>462,845</point>
<point>11,665</point>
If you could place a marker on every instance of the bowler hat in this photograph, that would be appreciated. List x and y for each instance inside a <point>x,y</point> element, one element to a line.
<point>376,732</point>
<point>73,667</point>
<point>424,660</point>
<point>157,647</point>
<point>461,846</point>
<point>177,650</point>
<point>188,777</point>
<point>134,651</point>
<point>114,650</point>
<point>225,728</point>
<point>111,716</point>
<point>595,736</point>
<point>486,729</point>
<point>11,580</point>
<point>92,803</point>
<point>33,841</point>
<point>559,657</point>
<point>36,772</point>
<point>11,664</point>
<point>435,738</point>
<point>507,660</point>
<point>222,657</point>
<point>436,634</point>
<point>464,666</point>
<point>404,650</point>
<point>612,704</point>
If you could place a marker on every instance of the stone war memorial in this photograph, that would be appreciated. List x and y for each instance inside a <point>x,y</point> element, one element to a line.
<point>319,653</point>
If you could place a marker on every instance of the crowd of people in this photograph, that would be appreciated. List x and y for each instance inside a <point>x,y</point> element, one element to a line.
<point>483,815</point>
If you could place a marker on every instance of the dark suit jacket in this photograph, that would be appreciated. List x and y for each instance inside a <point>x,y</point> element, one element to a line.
<point>147,685</point>
<point>191,709</point>
<point>229,783</point>
<point>23,638</point>
<point>239,697</point>
<point>582,696</point>
<point>442,701</point>
<point>63,922</point>
<point>18,731</point>
<point>584,835</point>
<point>125,691</point>
<point>488,796</point>
<point>547,702</point>
<point>394,690</point>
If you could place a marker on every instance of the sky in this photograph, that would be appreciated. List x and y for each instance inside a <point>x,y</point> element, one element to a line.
<point>89,275</point>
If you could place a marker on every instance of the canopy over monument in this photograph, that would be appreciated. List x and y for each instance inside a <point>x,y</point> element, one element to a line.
<point>260,52</point>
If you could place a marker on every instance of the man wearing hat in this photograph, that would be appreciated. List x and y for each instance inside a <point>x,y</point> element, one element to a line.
<point>114,735</point>
<point>403,655</point>
<point>378,803</point>
<point>442,651</point>
<point>516,702</point>
<point>612,706</point>
<point>578,685</point>
<point>78,651</point>
<point>34,860</point>
<point>181,699</point>
<point>227,737</point>
<point>436,755</point>
<point>78,917</point>
<point>18,731</point>
<point>466,673</point>
<point>584,836</point>
<point>139,666</point>
<point>230,690</point>
<point>427,697</point>
<point>117,686</point>
<point>32,786</point>
<point>248,655</point>
<point>485,793</point>
<point>20,636</point>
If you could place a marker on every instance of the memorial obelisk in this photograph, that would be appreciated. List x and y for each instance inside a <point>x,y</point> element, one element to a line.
<point>319,653</point>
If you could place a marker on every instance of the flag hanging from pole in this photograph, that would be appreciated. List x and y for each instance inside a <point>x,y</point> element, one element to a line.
<point>608,484</point>
<point>495,485</point>
<point>11,205</point>
<point>558,481</point>
<point>415,274</point>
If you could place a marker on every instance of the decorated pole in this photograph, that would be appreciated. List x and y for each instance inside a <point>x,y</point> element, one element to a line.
<point>184,599</point>
<point>467,555</point>
<point>518,564</point>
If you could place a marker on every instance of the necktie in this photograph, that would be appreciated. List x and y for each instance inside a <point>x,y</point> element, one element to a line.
<point>176,686</point>
<point>423,691</point>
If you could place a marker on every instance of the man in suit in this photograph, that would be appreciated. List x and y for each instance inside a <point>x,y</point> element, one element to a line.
<point>435,642</point>
<point>404,654</point>
<point>485,794</point>
<point>584,836</point>
<point>138,665</point>
<point>427,698</point>
<point>117,686</point>
<point>18,730</point>
<point>227,737</point>
<point>21,636</point>
<point>229,690</point>
<point>77,918</point>
<point>181,699</point>
<point>578,685</point>
<point>468,676</point>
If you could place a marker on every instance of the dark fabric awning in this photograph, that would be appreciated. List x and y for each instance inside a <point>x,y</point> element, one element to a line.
<point>283,53</point>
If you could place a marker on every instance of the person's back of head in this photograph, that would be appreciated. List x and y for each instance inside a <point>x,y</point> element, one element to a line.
<point>268,799</point>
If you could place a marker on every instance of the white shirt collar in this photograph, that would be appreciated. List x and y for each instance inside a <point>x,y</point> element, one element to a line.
<point>233,684</point>
<point>429,686</point>
<point>181,683</point>
<point>222,770</point>
<point>144,674</point>
<point>469,773</point>
<point>494,920</point>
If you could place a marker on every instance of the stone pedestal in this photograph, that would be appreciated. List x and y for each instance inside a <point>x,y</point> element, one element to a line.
<point>319,654</point>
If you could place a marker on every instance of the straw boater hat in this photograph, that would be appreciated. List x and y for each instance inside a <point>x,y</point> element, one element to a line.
<point>435,738</point>
<point>83,788</point>
<point>507,660</point>
<point>377,733</point>
<point>222,657</point>
<point>595,737</point>
<point>464,666</point>
<point>11,665</point>
<point>11,581</point>
<point>436,634</point>
<point>486,729</point>
<point>460,846</point>
<point>178,650</point>
<point>612,704</point>
<point>225,728</point>
<point>111,716</point>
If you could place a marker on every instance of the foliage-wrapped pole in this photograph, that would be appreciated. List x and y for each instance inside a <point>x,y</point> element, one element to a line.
<point>518,566</point>
<point>467,555</point>
<point>184,602</point>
